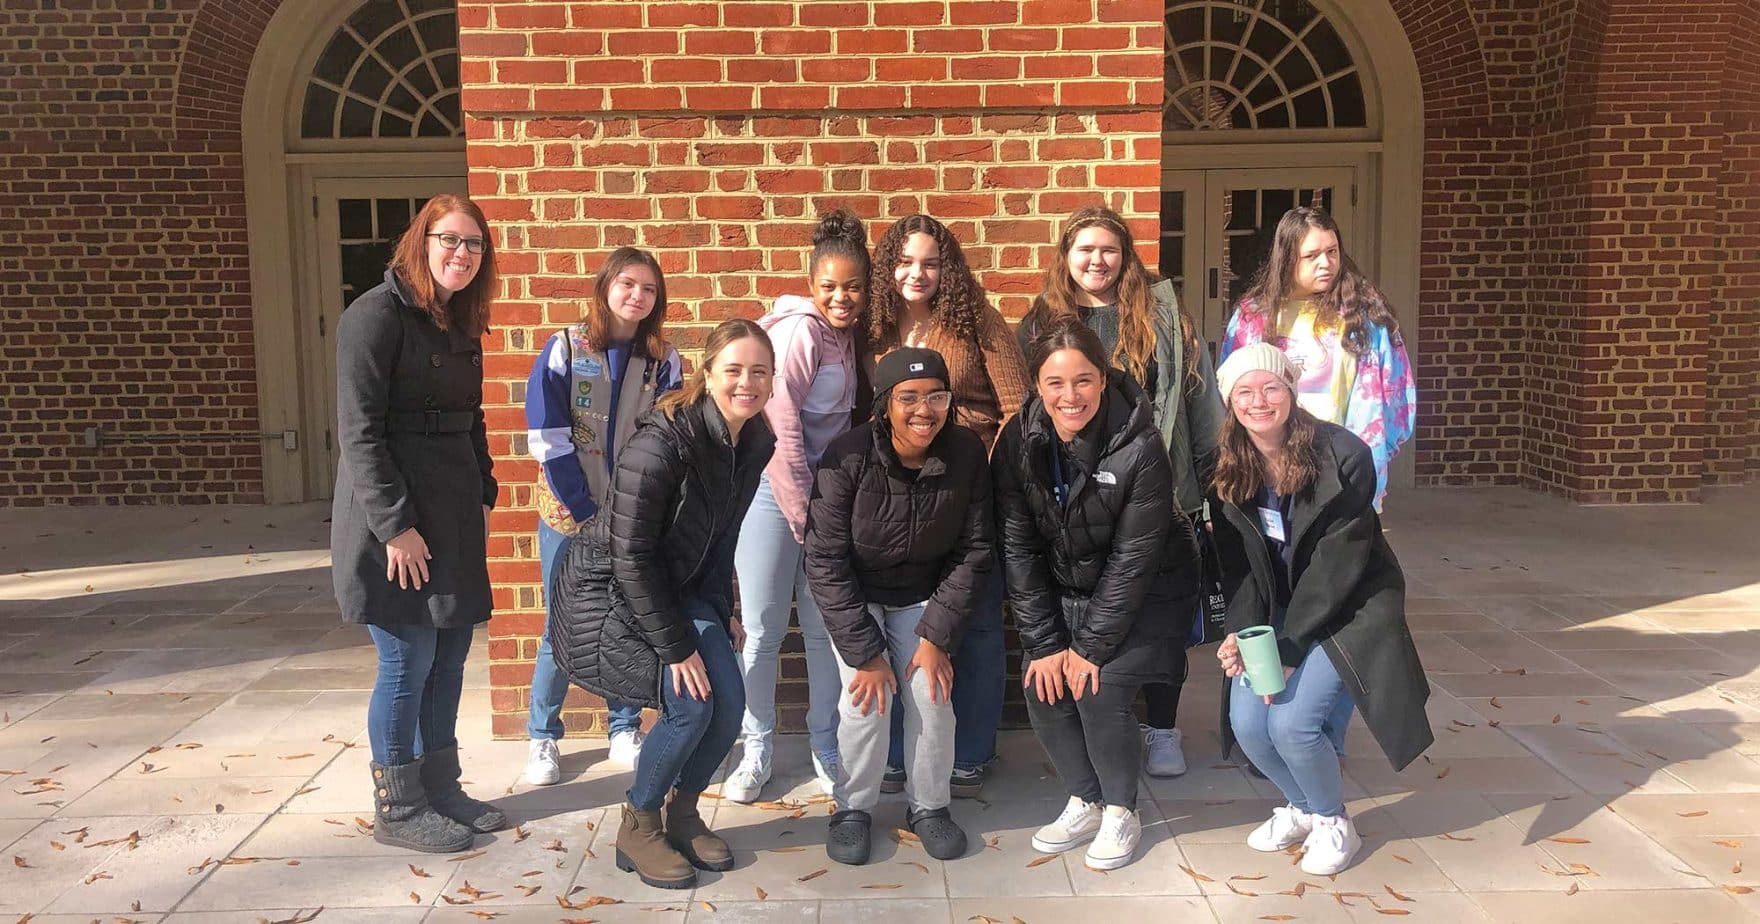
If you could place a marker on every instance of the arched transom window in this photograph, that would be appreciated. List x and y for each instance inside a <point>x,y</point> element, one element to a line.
<point>390,71</point>
<point>1258,64</point>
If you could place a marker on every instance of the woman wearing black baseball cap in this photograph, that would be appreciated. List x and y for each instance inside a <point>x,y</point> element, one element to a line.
<point>898,539</point>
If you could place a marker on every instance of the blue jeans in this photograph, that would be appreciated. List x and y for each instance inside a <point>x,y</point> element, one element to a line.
<point>772,574</point>
<point>1287,739</point>
<point>980,675</point>
<point>414,708</point>
<point>549,686</point>
<point>693,736</point>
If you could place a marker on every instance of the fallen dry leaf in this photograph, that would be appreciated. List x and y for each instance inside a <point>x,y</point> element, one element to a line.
<point>787,849</point>
<point>415,899</point>
<point>21,862</point>
<point>520,834</point>
<point>884,886</point>
<point>759,891</point>
<point>418,872</point>
<point>810,876</point>
<point>486,915</point>
<point>97,876</point>
<point>1277,917</point>
<point>905,837</point>
<point>467,856</point>
<point>1574,889</point>
<point>1041,860</point>
<point>1452,837</point>
<point>1568,840</point>
<point>1391,911</point>
<point>1444,772</point>
<point>707,907</point>
<point>1738,889</point>
<point>1195,874</point>
<point>591,901</point>
<point>1694,814</point>
<point>528,890</point>
<point>299,917</point>
<point>556,846</point>
<point>1401,859</point>
<point>1731,844</point>
<point>919,866</point>
<point>297,756</point>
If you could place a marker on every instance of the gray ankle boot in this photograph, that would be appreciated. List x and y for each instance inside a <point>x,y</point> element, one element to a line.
<point>402,816</point>
<point>440,776</point>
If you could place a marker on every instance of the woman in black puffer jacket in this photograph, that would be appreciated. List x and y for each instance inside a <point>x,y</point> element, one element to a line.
<point>1102,571</point>
<point>898,539</point>
<point>650,619</point>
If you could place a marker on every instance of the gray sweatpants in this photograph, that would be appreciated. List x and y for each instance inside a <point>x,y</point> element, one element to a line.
<point>863,740</point>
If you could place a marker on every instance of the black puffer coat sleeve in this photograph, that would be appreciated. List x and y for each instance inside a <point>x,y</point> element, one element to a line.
<point>1139,543</point>
<point>644,491</point>
<point>830,559</point>
<point>956,593</point>
<point>1329,583</point>
<point>1026,556</point>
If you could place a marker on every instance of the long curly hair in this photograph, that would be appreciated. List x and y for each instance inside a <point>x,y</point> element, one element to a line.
<point>1352,299</point>
<point>958,304</point>
<point>1137,306</point>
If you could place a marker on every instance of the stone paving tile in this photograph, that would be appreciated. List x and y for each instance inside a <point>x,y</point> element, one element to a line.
<point>1646,779</point>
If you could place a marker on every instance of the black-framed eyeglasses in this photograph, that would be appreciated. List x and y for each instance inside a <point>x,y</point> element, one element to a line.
<point>451,241</point>
<point>938,400</point>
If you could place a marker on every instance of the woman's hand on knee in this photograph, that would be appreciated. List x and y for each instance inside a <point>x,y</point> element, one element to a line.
<point>1082,674</point>
<point>932,660</point>
<point>1044,677</point>
<point>873,685</point>
<point>690,677</point>
<point>736,633</point>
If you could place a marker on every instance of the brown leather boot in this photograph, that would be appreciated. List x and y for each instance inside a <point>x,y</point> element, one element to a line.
<point>690,835</point>
<point>642,849</point>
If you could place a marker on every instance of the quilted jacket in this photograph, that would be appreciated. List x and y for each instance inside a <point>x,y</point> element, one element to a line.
<point>874,536</point>
<point>677,499</point>
<point>1113,572</point>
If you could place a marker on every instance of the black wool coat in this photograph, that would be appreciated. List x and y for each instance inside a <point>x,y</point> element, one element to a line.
<point>874,536</point>
<point>1347,594</point>
<point>1113,573</point>
<point>678,497</point>
<point>409,419</point>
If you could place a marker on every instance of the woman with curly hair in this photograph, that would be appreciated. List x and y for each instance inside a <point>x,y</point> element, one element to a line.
<point>1099,279</point>
<point>924,295</point>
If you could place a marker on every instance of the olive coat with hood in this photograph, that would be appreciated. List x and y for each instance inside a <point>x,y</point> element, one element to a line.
<point>1347,593</point>
<point>415,455</point>
<point>678,497</point>
<point>876,535</point>
<point>1111,573</point>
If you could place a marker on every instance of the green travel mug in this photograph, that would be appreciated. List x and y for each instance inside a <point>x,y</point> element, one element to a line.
<point>1258,646</point>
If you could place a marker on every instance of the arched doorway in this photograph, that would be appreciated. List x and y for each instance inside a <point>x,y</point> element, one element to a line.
<point>351,122</point>
<point>1275,103</point>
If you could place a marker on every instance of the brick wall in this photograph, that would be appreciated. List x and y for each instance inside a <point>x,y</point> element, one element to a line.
<point>124,295</point>
<point>713,134</point>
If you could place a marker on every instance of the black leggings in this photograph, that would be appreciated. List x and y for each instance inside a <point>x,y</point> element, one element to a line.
<point>1161,700</point>
<point>1094,743</point>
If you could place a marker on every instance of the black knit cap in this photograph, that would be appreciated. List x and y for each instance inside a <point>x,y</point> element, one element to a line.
<point>906,363</point>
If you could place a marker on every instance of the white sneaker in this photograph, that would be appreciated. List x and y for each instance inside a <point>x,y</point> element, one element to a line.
<point>1286,827</point>
<point>1116,844</point>
<point>543,762</point>
<point>747,779</point>
<point>1079,822</point>
<point>626,746</point>
<point>1161,752</point>
<point>1331,846</point>
<point>827,766</point>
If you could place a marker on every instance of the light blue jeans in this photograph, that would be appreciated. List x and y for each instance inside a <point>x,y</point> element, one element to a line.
<point>549,686</point>
<point>772,574</point>
<point>1287,739</point>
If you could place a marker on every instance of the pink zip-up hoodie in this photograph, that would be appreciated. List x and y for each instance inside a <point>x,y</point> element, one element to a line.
<point>815,393</point>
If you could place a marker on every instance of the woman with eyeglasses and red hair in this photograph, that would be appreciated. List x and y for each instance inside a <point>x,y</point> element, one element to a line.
<point>410,524</point>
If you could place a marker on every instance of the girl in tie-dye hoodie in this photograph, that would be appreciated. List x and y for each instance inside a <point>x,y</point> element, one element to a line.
<point>1312,302</point>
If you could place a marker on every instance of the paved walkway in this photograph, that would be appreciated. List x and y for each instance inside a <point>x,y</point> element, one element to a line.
<point>181,739</point>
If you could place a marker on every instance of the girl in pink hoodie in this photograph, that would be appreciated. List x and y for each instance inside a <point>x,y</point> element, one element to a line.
<point>815,393</point>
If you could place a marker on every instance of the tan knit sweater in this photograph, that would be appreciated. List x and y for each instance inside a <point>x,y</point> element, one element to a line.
<point>989,377</point>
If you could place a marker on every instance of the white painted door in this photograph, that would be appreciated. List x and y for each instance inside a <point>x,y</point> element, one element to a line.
<point>356,222</point>
<point>1217,225</point>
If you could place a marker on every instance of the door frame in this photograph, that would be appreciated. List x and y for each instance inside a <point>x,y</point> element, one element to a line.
<point>316,307</point>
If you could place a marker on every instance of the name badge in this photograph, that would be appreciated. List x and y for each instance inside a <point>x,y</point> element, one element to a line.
<point>1106,478</point>
<point>1271,521</point>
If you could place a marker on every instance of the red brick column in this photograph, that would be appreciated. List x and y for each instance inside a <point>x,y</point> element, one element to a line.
<point>712,134</point>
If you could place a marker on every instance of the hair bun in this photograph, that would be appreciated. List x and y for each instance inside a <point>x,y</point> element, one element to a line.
<point>840,225</point>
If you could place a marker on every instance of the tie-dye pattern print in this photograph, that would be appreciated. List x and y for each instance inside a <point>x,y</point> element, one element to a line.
<point>1383,406</point>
